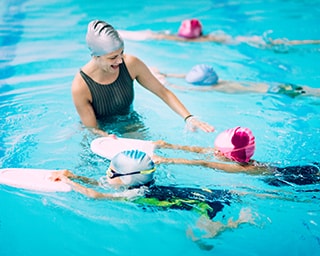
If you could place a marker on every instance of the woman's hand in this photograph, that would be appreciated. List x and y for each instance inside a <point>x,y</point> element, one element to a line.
<point>193,123</point>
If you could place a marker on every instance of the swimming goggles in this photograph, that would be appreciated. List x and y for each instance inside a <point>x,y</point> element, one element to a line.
<point>113,174</point>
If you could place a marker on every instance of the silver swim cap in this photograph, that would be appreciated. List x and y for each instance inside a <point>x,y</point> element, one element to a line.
<point>102,38</point>
<point>133,161</point>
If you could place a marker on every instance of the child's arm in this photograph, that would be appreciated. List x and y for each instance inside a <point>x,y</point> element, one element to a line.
<point>196,149</point>
<point>89,192</point>
<point>230,167</point>
<point>58,175</point>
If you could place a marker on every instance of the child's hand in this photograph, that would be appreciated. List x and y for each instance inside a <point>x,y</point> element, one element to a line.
<point>159,159</point>
<point>61,175</point>
<point>113,136</point>
<point>160,143</point>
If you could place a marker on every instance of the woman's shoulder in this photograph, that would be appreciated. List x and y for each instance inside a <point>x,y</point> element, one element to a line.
<point>131,59</point>
<point>79,86</point>
<point>134,64</point>
<point>77,78</point>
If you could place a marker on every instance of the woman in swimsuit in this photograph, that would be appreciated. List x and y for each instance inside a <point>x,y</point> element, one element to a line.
<point>104,86</point>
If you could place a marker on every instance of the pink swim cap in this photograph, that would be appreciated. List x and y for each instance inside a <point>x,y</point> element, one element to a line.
<point>236,144</point>
<point>190,29</point>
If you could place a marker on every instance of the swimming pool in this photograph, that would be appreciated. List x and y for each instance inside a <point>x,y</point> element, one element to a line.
<point>42,47</point>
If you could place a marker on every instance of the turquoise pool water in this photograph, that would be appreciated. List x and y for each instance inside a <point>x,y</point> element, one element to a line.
<point>42,47</point>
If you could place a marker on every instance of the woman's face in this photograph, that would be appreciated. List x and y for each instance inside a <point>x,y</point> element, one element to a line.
<point>110,62</point>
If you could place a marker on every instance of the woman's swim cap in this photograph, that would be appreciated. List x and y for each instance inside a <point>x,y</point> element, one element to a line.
<point>237,144</point>
<point>190,29</point>
<point>202,74</point>
<point>102,38</point>
<point>133,161</point>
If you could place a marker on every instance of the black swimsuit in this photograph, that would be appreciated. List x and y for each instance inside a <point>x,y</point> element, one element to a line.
<point>111,99</point>
<point>206,202</point>
<point>299,175</point>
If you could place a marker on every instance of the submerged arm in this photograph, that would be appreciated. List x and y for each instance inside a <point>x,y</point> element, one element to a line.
<point>215,228</point>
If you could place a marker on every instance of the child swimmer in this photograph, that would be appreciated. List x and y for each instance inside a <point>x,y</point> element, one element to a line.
<point>135,171</point>
<point>235,147</point>
<point>203,77</point>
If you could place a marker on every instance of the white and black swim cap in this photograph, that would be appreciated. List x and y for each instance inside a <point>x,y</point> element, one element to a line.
<point>130,161</point>
<point>102,38</point>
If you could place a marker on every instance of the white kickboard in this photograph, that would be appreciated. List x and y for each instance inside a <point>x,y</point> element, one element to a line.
<point>108,147</point>
<point>32,179</point>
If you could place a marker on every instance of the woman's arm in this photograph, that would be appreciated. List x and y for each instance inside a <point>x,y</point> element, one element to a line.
<point>81,99</point>
<point>147,80</point>
<point>142,73</point>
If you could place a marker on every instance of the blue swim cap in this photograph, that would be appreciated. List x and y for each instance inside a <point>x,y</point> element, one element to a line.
<point>202,74</point>
<point>133,161</point>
